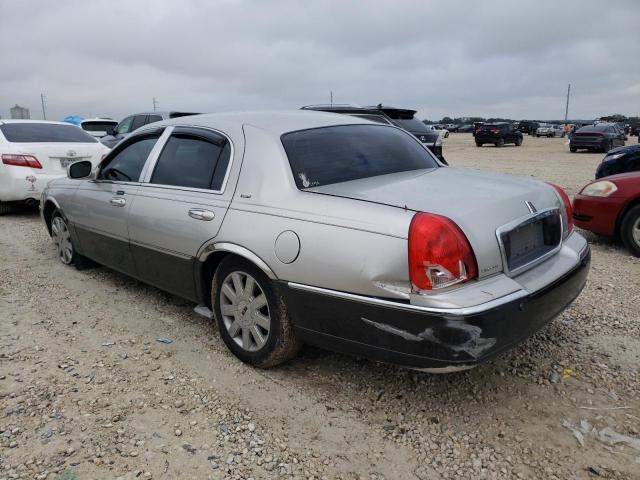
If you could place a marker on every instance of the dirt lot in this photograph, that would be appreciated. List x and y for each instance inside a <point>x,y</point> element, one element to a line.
<point>88,391</point>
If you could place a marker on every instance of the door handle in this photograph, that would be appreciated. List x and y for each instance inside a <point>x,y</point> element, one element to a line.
<point>200,214</point>
<point>118,202</point>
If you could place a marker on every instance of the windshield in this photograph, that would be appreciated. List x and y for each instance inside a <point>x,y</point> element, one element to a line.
<point>412,125</point>
<point>98,126</point>
<point>327,155</point>
<point>28,132</point>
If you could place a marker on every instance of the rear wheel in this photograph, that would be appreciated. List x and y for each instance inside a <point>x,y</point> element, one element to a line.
<point>518,142</point>
<point>606,147</point>
<point>630,230</point>
<point>478,144</point>
<point>252,317</point>
<point>573,149</point>
<point>500,143</point>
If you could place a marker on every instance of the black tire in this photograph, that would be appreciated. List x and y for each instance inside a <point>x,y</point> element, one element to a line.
<point>518,142</point>
<point>500,143</point>
<point>5,208</point>
<point>606,147</point>
<point>74,258</point>
<point>478,144</point>
<point>630,224</point>
<point>281,343</point>
<point>573,149</point>
<point>537,136</point>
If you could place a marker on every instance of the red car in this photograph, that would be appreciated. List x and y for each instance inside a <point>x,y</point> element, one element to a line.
<point>611,206</point>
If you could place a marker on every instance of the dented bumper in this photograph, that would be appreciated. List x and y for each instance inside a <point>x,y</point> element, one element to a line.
<point>400,333</point>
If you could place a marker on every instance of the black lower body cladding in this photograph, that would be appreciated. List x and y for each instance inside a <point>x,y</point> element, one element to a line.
<point>427,340</point>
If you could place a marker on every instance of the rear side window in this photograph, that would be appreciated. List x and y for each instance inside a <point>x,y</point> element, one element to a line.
<point>138,121</point>
<point>323,156</point>
<point>154,118</point>
<point>97,126</point>
<point>126,163</point>
<point>28,132</point>
<point>193,162</point>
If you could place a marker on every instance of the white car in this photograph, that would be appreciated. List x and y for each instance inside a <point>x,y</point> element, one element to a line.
<point>98,127</point>
<point>34,152</point>
<point>443,132</point>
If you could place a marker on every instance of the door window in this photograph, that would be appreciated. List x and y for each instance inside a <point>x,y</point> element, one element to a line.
<point>154,118</point>
<point>124,126</point>
<point>126,164</point>
<point>138,121</point>
<point>193,161</point>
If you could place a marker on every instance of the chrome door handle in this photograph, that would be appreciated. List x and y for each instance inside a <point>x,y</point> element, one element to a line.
<point>118,202</point>
<point>200,214</point>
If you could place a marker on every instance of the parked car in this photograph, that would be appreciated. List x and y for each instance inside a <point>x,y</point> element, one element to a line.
<point>465,128</point>
<point>550,130</point>
<point>133,122</point>
<point>98,127</point>
<point>35,152</point>
<point>619,160</point>
<point>452,127</point>
<point>498,134</point>
<point>601,137</point>
<point>476,127</point>
<point>611,206</point>
<point>527,126</point>
<point>440,129</point>
<point>400,117</point>
<point>327,229</point>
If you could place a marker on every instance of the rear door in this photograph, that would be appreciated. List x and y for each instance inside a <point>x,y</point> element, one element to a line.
<point>180,205</point>
<point>100,208</point>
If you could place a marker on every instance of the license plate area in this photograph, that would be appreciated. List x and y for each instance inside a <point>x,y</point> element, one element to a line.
<point>528,242</point>
<point>65,162</point>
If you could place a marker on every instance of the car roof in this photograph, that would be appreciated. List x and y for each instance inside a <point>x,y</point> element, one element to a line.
<point>3,121</point>
<point>98,119</point>
<point>276,122</point>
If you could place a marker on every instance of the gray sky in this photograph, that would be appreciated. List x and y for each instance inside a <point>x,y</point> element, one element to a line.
<point>444,57</point>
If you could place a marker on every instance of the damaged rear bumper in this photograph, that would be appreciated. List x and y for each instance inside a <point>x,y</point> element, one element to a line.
<point>424,338</point>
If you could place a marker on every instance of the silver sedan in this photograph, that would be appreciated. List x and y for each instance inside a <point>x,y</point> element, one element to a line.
<point>292,227</point>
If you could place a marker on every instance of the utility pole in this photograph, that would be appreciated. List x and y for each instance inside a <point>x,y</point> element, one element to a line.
<point>155,104</point>
<point>331,97</point>
<point>566,109</point>
<point>44,110</point>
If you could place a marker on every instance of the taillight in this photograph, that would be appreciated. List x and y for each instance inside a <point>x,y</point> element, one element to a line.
<point>495,130</point>
<point>568,210</point>
<point>21,160</point>
<point>439,253</point>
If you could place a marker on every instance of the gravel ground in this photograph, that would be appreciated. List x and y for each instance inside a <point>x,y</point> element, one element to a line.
<point>87,390</point>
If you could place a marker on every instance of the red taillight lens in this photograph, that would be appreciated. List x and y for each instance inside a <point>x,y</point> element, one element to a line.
<point>568,210</point>
<point>439,253</point>
<point>495,130</point>
<point>21,160</point>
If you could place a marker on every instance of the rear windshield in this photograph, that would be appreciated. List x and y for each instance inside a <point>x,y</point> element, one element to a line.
<point>98,126</point>
<point>411,125</point>
<point>594,128</point>
<point>327,155</point>
<point>45,133</point>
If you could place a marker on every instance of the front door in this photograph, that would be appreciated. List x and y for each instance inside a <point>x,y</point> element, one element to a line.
<point>101,207</point>
<point>179,207</point>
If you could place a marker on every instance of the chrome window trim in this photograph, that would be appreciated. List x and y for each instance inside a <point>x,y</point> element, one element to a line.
<point>461,311</point>
<point>152,165</point>
<point>155,153</point>
<point>528,218</point>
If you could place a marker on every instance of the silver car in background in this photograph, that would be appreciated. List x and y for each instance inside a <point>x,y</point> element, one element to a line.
<point>314,227</point>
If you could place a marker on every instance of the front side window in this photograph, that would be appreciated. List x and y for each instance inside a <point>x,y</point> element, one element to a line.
<point>33,132</point>
<point>192,162</point>
<point>126,164</point>
<point>327,155</point>
<point>124,126</point>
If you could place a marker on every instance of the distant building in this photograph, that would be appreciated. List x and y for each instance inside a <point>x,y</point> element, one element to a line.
<point>20,113</point>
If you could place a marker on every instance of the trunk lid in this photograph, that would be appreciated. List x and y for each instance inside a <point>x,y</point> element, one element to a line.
<point>54,157</point>
<point>478,202</point>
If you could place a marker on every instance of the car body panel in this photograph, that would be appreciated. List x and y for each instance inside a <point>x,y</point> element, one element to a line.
<point>620,160</point>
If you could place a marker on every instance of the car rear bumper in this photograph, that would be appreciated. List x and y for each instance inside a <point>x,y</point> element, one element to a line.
<point>589,144</point>
<point>596,214</point>
<point>424,338</point>
<point>23,183</point>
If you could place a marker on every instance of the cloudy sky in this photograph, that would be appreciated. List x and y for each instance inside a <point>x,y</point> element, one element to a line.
<point>443,57</point>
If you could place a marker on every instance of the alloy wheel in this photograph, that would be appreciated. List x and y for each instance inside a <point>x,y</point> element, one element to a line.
<point>635,231</point>
<point>62,239</point>
<point>245,311</point>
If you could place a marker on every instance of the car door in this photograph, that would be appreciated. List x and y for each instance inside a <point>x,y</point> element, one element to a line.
<point>180,205</point>
<point>101,206</point>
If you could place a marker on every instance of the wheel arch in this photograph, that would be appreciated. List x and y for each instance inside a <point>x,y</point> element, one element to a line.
<point>623,211</point>
<point>49,207</point>
<point>210,258</point>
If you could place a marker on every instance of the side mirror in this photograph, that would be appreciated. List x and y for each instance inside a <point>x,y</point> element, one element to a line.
<point>80,169</point>
<point>111,131</point>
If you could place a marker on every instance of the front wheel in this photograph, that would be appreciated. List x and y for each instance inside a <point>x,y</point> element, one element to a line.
<point>62,239</point>
<point>518,142</point>
<point>630,230</point>
<point>252,317</point>
<point>500,143</point>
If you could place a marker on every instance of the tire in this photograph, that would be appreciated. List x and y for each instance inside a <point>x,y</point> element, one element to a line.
<point>537,136</point>
<point>630,230</point>
<point>573,149</point>
<point>5,208</point>
<point>606,147</point>
<point>67,254</point>
<point>263,336</point>
<point>518,142</point>
<point>478,144</point>
<point>500,143</point>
